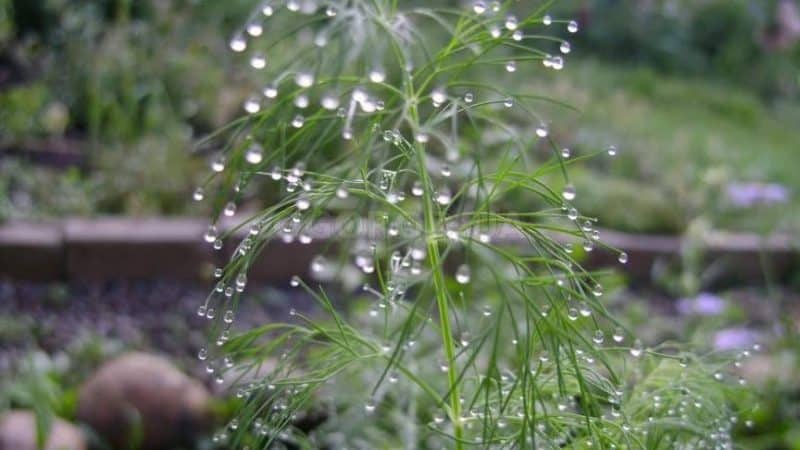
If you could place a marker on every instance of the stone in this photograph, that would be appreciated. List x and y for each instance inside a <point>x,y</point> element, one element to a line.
<point>142,398</point>
<point>18,432</point>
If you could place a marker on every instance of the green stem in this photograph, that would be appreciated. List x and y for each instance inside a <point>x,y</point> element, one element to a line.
<point>442,302</point>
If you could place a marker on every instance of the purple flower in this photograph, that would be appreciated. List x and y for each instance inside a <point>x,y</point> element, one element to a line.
<point>746,195</point>
<point>704,304</point>
<point>735,338</point>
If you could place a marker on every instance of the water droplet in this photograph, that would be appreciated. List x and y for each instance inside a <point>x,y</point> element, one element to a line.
<point>258,61</point>
<point>417,189</point>
<point>318,264</point>
<point>304,79</point>
<point>612,150</point>
<point>298,121</point>
<point>566,153</point>
<point>637,349</point>
<point>202,355</point>
<point>511,23</point>
<point>293,5</point>
<point>495,32</point>
<point>252,105</point>
<point>211,234</point>
<point>228,317</point>
<point>572,26</point>
<point>484,238</point>
<point>622,258</point>
<point>511,66</point>
<point>330,11</point>
<point>199,194</point>
<point>267,10</point>
<point>565,47</point>
<point>377,76</point>
<point>201,310</point>
<point>301,101</point>
<point>569,192</point>
<point>479,7</point>
<point>547,20</point>
<point>270,91</point>
<point>508,103</point>
<point>572,313</point>
<point>218,165</point>
<point>487,311</point>
<point>718,376</point>
<point>599,337</point>
<point>421,137</point>
<point>584,309</point>
<point>369,406</point>
<point>438,96</point>
<point>230,209</point>
<point>255,154</point>
<point>542,130</point>
<point>469,97</point>
<point>241,282</point>
<point>446,172</point>
<point>517,35</point>
<point>463,274</point>
<point>238,44</point>
<point>443,197</point>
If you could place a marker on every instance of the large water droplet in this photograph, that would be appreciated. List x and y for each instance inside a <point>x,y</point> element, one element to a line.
<point>199,194</point>
<point>572,26</point>
<point>377,76</point>
<point>230,209</point>
<point>303,203</point>
<point>238,44</point>
<point>218,165</point>
<point>270,91</point>
<point>511,23</point>
<point>211,234</point>
<point>254,154</point>
<point>637,349</point>
<point>252,105</point>
<point>258,61</point>
<point>304,79</point>
<point>479,7</point>
<point>463,274</point>
<point>569,192</point>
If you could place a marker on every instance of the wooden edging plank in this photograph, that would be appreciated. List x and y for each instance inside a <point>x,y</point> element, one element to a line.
<point>108,248</point>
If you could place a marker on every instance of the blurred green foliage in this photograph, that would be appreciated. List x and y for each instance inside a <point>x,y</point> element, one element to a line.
<point>132,82</point>
<point>727,39</point>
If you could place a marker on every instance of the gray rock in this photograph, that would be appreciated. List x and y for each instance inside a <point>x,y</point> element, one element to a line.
<point>144,399</point>
<point>18,432</point>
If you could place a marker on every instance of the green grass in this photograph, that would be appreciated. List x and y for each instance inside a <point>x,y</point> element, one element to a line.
<point>681,141</point>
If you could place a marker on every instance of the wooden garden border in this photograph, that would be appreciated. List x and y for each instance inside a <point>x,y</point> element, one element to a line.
<point>164,248</point>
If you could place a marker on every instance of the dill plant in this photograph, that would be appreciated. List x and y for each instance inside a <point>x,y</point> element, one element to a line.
<point>396,129</point>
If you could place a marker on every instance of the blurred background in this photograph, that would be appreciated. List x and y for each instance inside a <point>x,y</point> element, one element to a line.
<point>101,100</point>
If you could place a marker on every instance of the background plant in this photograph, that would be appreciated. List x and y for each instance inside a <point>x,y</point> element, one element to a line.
<point>361,114</point>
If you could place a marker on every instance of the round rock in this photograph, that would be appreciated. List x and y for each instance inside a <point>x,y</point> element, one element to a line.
<point>18,432</point>
<point>144,399</point>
